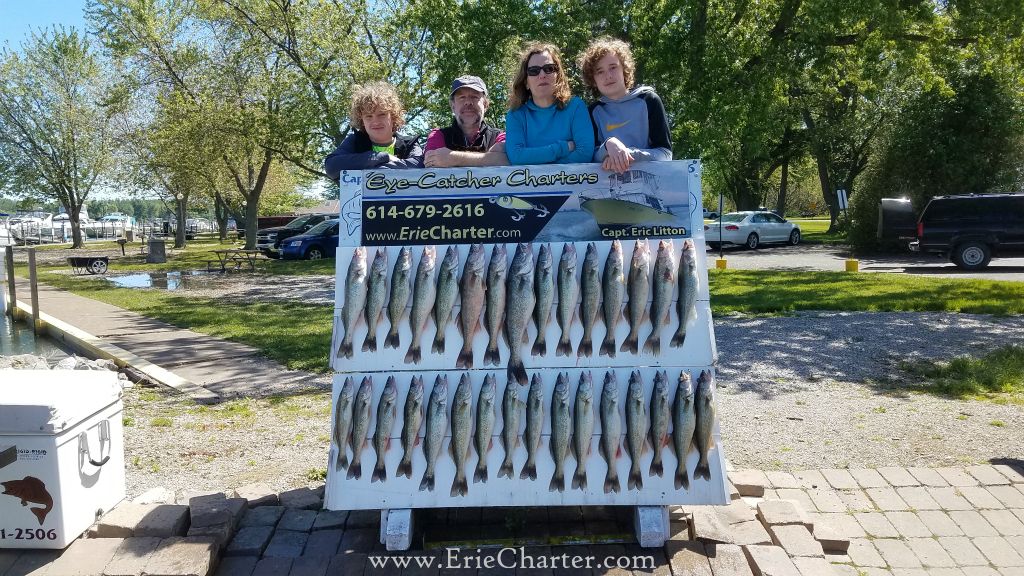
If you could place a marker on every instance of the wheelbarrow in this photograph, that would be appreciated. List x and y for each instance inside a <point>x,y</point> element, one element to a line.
<point>89,264</point>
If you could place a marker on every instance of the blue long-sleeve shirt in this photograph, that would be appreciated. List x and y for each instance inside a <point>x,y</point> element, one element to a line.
<point>535,135</point>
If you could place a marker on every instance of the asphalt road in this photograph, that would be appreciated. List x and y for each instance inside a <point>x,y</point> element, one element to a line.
<point>833,258</point>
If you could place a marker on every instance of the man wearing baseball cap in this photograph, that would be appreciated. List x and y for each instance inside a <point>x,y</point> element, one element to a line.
<point>469,141</point>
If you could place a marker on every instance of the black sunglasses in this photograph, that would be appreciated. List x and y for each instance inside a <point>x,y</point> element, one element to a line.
<point>536,70</point>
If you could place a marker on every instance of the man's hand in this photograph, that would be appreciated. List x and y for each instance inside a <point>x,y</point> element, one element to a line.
<point>439,158</point>
<point>619,157</point>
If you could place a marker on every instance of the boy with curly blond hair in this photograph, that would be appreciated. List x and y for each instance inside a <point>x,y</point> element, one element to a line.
<point>629,121</point>
<point>376,116</point>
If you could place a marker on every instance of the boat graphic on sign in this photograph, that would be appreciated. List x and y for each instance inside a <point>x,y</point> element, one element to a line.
<point>632,199</point>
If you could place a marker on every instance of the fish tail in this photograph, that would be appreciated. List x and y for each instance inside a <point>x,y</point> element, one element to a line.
<point>564,348</point>
<point>506,469</point>
<point>481,472</point>
<point>460,487</point>
<point>355,471</point>
<point>703,470</point>
<point>608,346</point>
<point>438,346</point>
<point>370,343</point>
<point>428,482</point>
<point>586,348</point>
<point>492,355</point>
<point>40,513</point>
<point>657,468</point>
<point>540,346</point>
<point>404,468</point>
<point>682,480</point>
<point>379,473</point>
<point>653,345</point>
<point>636,480</point>
<point>345,350</point>
<point>414,355</point>
<point>465,359</point>
<point>342,462</point>
<point>677,339</point>
<point>579,479</point>
<point>611,482</point>
<point>630,345</point>
<point>529,471</point>
<point>392,340</point>
<point>517,372</point>
<point>557,482</point>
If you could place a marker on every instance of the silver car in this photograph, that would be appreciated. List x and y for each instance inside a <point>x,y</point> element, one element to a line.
<point>751,229</point>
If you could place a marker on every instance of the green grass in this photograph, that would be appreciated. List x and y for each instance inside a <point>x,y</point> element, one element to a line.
<point>815,231</point>
<point>778,291</point>
<point>996,375</point>
<point>161,422</point>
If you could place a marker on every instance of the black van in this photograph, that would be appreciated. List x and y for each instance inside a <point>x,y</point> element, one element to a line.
<point>970,229</point>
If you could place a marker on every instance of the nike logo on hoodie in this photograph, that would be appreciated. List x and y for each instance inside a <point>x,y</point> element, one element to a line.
<point>610,127</point>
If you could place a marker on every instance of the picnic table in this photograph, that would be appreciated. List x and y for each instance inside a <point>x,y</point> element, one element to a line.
<point>234,257</point>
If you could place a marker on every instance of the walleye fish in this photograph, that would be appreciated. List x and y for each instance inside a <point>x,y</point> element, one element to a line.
<point>611,431</point>
<point>400,290</point>
<point>639,287</point>
<point>472,293</point>
<point>360,426</point>
<point>485,416</point>
<point>660,418</point>
<point>519,307</point>
<point>568,293</point>
<point>688,284</point>
<point>386,412</point>
<point>30,490</point>
<point>510,426</point>
<point>413,417</point>
<point>704,405</point>
<point>462,422</point>
<point>544,290</point>
<point>614,289</point>
<point>561,425</point>
<point>355,300</point>
<point>497,269</point>
<point>583,428</point>
<point>590,300</point>
<point>636,429</point>
<point>447,294</point>
<point>662,286</point>
<point>437,425</point>
<point>343,421</point>
<point>684,422</point>
<point>376,293</point>
<point>423,295</point>
<point>534,427</point>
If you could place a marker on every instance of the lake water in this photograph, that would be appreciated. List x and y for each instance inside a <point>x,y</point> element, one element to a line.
<point>17,338</point>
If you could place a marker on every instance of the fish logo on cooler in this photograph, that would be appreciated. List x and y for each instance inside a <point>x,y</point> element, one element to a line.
<point>30,490</point>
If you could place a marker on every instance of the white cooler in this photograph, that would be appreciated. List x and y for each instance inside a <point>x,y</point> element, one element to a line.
<point>61,454</point>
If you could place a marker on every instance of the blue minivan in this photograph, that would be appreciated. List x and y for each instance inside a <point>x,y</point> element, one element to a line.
<point>320,241</point>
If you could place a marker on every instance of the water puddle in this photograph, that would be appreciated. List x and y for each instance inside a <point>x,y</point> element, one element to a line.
<point>17,338</point>
<point>160,280</point>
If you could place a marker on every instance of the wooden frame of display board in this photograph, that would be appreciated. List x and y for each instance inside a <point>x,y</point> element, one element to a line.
<point>556,206</point>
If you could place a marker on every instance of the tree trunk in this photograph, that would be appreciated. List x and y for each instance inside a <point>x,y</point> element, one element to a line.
<point>780,204</point>
<point>252,209</point>
<point>179,236</point>
<point>821,159</point>
<point>220,213</point>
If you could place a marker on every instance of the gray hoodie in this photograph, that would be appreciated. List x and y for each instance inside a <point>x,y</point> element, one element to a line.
<point>637,120</point>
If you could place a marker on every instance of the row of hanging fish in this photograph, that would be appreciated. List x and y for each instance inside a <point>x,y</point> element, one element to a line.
<point>683,420</point>
<point>505,297</point>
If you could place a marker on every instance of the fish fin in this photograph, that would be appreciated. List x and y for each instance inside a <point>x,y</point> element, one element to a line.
<point>416,442</point>
<point>557,482</point>
<point>465,359</point>
<point>630,345</point>
<point>657,468</point>
<point>517,372</point>
<point>505,471</point>
<point>635,480</point>
<point>379,473</point>
<point>345,350</point>
<point>653,344</point>
<point>481,471</point>
<point>404,469</point>
<point>563,348</point>
<point>413,356</point>
<point>355,471</point>
<point>427,483</point>
<point>438,346</point>
<point>703,470</point>
<point>579,479</point>
<point>618,450</point>
<point>678,338</point>
<point>342,461</point>
<point>40,513</point>
<point>492,356</point>
<point>611,482</point>
<point>458,322</point>
<point>529,471</point>
<point>459,486</point>
<point>608,346</point>
<point>540,346</point>
<point>682,480</point>
<point>370,343</point>
<point>586,348</point>
<point>392,340</point>
<point>526,336</point>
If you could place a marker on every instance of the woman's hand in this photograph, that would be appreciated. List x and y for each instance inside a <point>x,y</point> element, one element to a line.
<point>619,157</point>
<point>572,145</point>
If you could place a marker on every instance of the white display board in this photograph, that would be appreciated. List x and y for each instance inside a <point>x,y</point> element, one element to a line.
<point>554,206</point>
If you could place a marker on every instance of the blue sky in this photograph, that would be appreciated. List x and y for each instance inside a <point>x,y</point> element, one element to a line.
<point>17,17</point>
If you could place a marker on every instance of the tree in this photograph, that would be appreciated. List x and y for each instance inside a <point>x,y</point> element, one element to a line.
<point>57,111</point>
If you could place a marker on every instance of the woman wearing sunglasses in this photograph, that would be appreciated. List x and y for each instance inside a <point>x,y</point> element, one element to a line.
<point>545,123</point>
